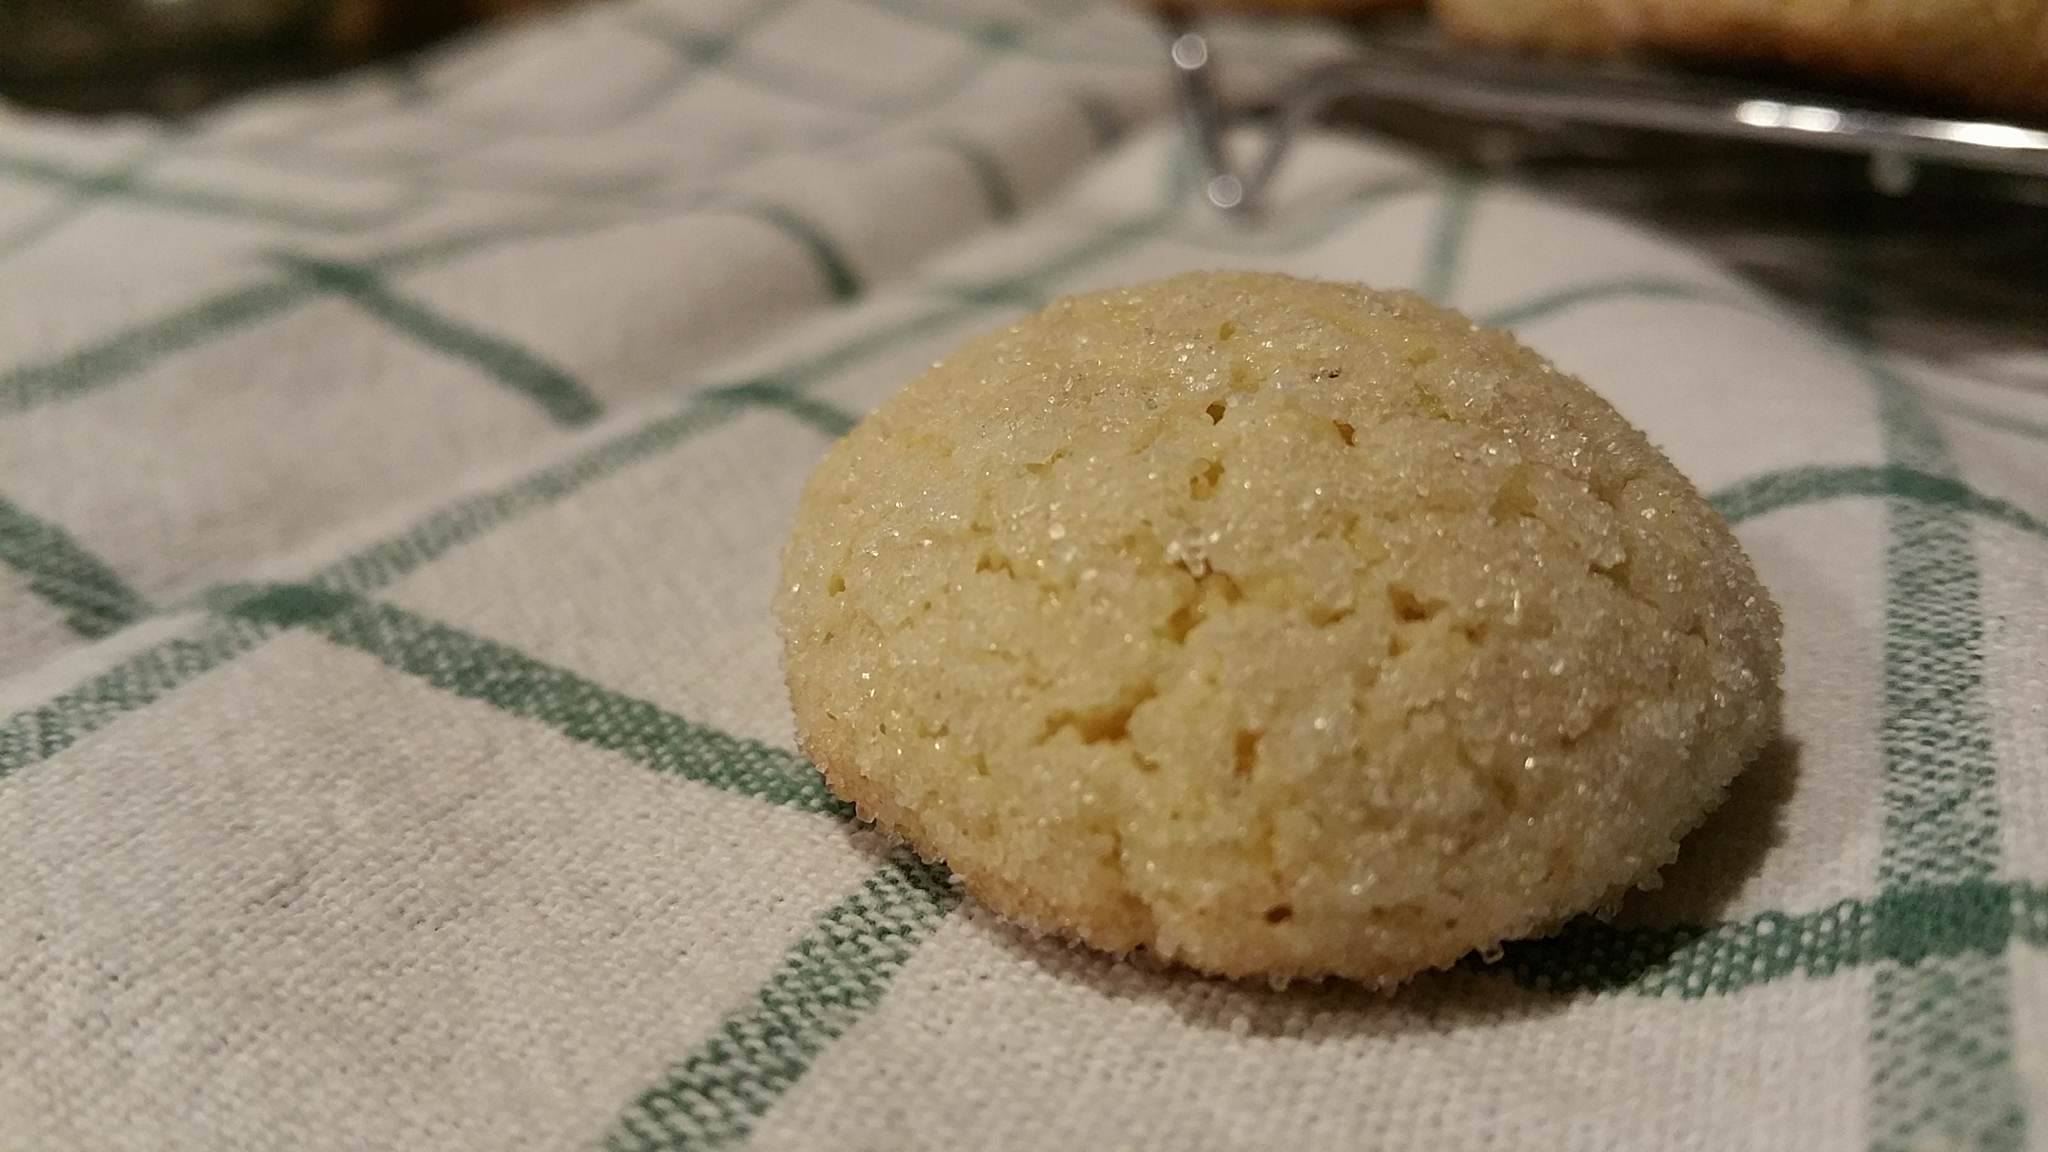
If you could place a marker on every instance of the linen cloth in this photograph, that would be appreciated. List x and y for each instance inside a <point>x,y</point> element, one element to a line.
<point>392,477</point>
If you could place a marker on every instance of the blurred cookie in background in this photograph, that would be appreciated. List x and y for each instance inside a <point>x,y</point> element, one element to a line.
<point>371,26</point>
<point>1989,55</point>
<point>1284,7</point>
<point>172,56</point>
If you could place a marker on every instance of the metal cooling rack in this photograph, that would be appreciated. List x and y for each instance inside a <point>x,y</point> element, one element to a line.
<point>1408,62</point>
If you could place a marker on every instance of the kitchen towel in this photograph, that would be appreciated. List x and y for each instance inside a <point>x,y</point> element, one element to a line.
<point>392,478</point>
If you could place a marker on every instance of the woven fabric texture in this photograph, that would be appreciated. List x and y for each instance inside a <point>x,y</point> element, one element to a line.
<point>392,476</point>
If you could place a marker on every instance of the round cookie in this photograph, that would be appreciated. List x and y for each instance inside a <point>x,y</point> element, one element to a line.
<point>1283,7</point>
<point>1278,627</point>
<point>1991,55</point>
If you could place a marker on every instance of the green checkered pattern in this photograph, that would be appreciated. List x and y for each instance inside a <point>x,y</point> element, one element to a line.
<point>392,476</point>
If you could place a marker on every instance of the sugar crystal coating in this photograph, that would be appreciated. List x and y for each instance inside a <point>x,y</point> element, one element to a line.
<point>1280,627</point>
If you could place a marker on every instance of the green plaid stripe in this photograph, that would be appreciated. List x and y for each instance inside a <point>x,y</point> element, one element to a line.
<point>1447,240</point>
<point>988,172</point>
<point>36,734</point>
<point>822,417</point>
<point>833,267</point>
<point>39,733</point>
<point>1906,927</point>
<point>553,390</point>
<point>830,979</point>
<point>92,596</point>
<point>705,50</point>
<point>1796,486</point>
<point>478,669</point>
<point>465,520</point>
<point>1941,1026</point>
<point>1011,36</point>
<point>127,182</point>
<point>84,194</point>
<point>1940,795</point>
<point>134,349</point>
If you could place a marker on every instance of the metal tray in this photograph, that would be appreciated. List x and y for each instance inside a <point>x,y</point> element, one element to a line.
<point>1409,62</point>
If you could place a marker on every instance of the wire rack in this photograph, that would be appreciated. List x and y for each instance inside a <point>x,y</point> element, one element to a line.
<point>1409,63</point>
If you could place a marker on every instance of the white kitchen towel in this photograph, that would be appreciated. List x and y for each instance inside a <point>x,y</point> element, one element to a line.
<point>392,476</point>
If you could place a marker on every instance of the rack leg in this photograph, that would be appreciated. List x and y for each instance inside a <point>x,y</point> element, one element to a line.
<point>1202,113</point>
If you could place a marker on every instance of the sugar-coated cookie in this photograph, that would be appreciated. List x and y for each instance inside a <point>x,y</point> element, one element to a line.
<point>1280,628</point>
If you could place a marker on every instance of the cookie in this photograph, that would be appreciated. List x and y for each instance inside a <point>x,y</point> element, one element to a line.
<point>1283,7</point>
<point>1280,628</point>
<point>1992,53</point>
